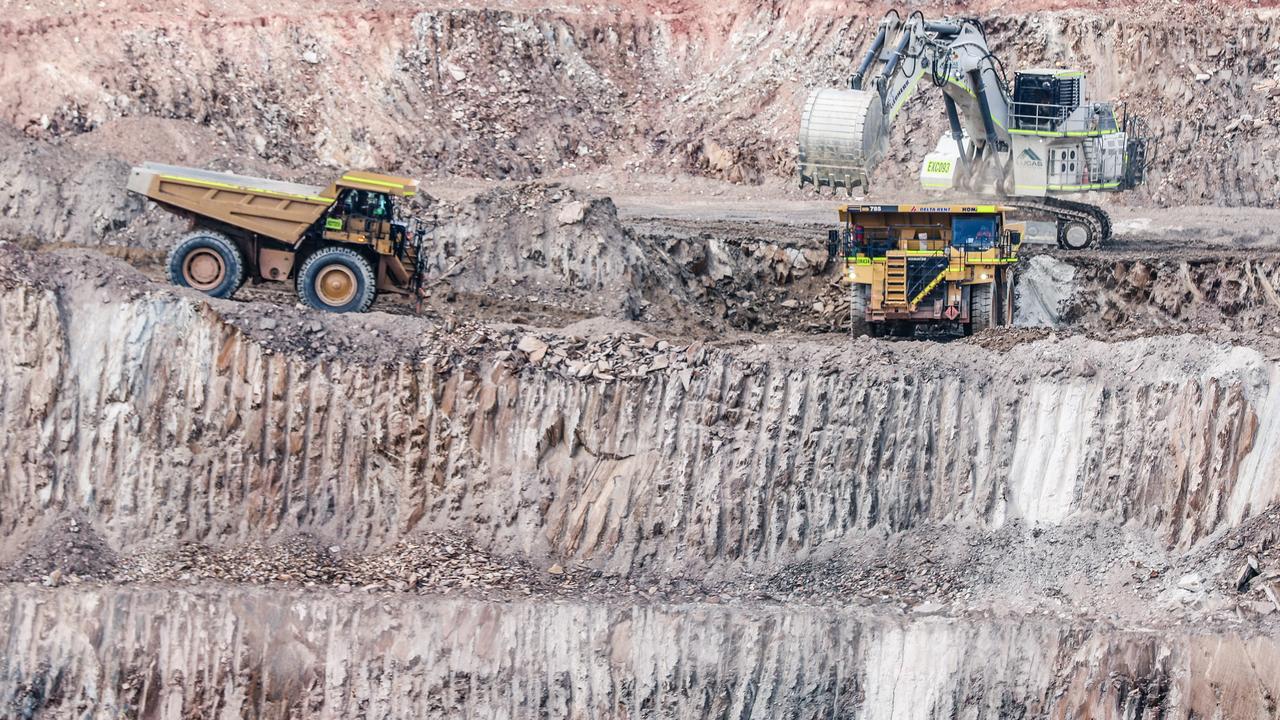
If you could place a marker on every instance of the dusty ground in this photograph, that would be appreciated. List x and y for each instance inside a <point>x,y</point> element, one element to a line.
<point>623,459</point>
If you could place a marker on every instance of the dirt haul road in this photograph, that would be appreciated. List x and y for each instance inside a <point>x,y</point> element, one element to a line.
<point>624,460</point>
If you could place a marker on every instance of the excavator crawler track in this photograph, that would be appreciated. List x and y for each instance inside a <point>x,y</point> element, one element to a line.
<point>1097,219</point>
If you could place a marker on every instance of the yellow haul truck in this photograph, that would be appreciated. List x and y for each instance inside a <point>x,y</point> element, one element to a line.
<point>340,244</point>
<point>942,265</point>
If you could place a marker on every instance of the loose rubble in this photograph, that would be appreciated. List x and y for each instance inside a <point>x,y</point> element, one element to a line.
<point>430,563</point>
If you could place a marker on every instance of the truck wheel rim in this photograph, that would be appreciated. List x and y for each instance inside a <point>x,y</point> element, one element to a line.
<point>203,269</point>
<point>336,285</point>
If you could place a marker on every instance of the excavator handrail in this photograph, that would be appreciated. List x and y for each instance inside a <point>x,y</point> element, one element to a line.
<point>1060,116</point>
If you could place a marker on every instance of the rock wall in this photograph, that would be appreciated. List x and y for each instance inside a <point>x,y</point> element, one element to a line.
<point>547,244</point>
<point>246,653</point>
<point>713,89</point>
<point>1191,293</point>
<point>56,194</point>
<point>163,415</point>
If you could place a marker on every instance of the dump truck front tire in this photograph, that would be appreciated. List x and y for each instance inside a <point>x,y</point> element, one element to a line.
<point>207,261</point>
<point>337,279</point>
<point>981,307</point>
<point>859,300</point>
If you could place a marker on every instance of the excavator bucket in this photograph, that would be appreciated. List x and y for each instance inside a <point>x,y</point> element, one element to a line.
<point>843,136</point>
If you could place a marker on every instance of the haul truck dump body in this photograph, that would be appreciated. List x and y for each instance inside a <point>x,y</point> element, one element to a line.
<point>278,210</point>
<point>340,243</point>
<point>949,265</point>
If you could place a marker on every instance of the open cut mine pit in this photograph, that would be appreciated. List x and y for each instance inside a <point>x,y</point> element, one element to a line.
<point>623,453</point>
<point>810,526</point>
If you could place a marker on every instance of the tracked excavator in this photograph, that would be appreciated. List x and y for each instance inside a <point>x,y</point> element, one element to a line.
<point>1030,143</point>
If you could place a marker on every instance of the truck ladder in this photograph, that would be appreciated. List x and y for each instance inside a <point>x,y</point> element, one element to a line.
<point>895,279</point>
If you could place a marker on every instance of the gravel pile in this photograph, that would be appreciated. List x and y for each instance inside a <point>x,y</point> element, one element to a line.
<point>430,563</point>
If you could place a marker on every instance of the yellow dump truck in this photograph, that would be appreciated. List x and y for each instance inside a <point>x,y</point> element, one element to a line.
<point>339,244</point>
<point>940,265</point>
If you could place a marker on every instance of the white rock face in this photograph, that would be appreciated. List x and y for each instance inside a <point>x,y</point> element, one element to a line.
<point>162,419</point>
<point>1044,286</point>
<point>338,655</point>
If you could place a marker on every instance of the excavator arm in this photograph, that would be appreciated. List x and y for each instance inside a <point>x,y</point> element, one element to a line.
<point>844,133</point>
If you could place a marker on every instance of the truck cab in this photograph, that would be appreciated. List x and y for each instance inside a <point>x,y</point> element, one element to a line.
<point>367,214</point>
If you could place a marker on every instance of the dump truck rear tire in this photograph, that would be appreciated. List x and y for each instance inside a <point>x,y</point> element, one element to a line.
<point>981,307</point>
<point>337,279</point>
<point>207,261</point>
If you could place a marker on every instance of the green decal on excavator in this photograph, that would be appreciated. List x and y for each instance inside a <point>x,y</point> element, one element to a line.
<point>333,224</point>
